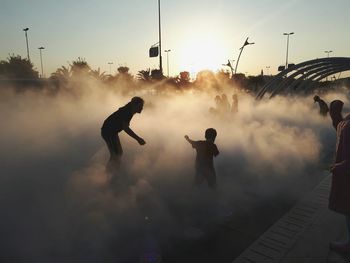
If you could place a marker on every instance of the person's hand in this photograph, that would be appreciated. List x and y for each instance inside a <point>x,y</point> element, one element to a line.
<point>141,141</point>
<point>186,137</point>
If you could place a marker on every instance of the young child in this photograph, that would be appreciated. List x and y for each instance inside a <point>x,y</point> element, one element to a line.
<point>204,160</point>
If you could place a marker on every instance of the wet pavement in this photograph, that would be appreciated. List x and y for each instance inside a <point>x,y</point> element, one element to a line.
<point>301,235</point>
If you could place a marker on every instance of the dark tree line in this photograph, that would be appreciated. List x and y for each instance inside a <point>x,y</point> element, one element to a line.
<point>78,73</point>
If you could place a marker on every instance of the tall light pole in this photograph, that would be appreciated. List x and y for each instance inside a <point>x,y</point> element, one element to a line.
<point>25,32</point>
<point>327,52</point>
<point>167,59</point>
<point>160,42</point>
<point>110,67</point>
<point>246,43</point>
<point>41,61</point>
<point>287,34</point>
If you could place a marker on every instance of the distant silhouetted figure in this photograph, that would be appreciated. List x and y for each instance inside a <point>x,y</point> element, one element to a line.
<point>225,105</point>
<point>217,109</point>
<point>117,122</point>
<point>339,198</point>
<point>206,150</point>
<point>335,111</point>
<point>322,104</point>
<point>234,107</point>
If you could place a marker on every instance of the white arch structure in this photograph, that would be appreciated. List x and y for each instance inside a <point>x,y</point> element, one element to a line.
<point>304,76</point>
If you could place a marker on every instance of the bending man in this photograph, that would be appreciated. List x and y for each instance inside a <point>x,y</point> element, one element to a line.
<point>117,122</point>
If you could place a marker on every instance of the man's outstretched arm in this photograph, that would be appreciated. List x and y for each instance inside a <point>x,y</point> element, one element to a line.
<point>132,134</point>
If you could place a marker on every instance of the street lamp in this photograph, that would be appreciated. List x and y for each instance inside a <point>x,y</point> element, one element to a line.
<point>246,43</point>
<point>167,59</point>
<point>160,41</point>
<point>327,52</point>
<point>41,61</point>
<point>110,67</point>
<point>25,32</point>
<point>287,34</point>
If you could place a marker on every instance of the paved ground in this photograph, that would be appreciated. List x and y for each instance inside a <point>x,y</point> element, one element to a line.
<point>302,235</point>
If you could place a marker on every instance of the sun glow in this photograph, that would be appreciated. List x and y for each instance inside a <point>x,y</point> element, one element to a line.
<point>202,52</point>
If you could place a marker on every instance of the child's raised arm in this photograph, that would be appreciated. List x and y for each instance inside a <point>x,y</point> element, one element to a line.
<point>188,139</point>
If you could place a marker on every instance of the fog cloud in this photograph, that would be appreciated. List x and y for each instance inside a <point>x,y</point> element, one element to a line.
<point>58,204</point>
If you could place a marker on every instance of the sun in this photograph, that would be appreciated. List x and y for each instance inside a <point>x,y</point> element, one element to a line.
<point>202,52</point>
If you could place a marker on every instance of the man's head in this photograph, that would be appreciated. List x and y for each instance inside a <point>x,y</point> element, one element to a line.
<point>137,104</point>
<point>336,107</point>
<point>316,98</point>
<point>210,134</point>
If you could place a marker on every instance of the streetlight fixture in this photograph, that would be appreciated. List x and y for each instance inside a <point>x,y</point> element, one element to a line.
<point>110,67</point>
<point>160,42</point>
<point>327,52</point>
<point>167,59</point>
<point>246,43</point>
<point>25,32</point>
<point>287,34</point>
<point>41,61</point>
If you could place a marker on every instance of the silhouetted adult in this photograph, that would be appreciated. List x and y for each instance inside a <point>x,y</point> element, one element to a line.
<point>225,105</point>
<point>216,110</point>
<point>335,109</point>
<point>234,107</point>
<point>218,104</point>
<point>322,104</point>
<point>339,198</point>
<point>117,122</point>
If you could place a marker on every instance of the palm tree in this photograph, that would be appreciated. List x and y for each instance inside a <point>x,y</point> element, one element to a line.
<point>16,67</point>
<point>97,74</point>
<point>144,75</point>
<point>79,67</point>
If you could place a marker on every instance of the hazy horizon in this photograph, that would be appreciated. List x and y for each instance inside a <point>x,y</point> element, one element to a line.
<point>201,34</point>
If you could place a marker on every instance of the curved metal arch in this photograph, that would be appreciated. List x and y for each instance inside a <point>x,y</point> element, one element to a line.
<point>290,82</point>
<point>306,73</point>
<point>311,75</point>
<point>312,85</point>
<point>283,73</point>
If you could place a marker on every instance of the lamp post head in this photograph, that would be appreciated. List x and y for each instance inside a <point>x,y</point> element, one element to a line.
<point>41,48</point>
<point>168,50</point>
<point>25,29</point>
<point>287,34</point>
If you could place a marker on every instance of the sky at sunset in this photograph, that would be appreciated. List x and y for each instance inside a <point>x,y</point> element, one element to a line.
<point>201,34</point>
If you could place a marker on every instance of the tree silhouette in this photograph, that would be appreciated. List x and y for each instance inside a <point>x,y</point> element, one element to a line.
<point>184,79</point>
<point>123,70</point>
<point>98,75</point>
<point>61,76</point>
<point>79,67</point>
<point>16,67</point>
<point>144,75</point>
